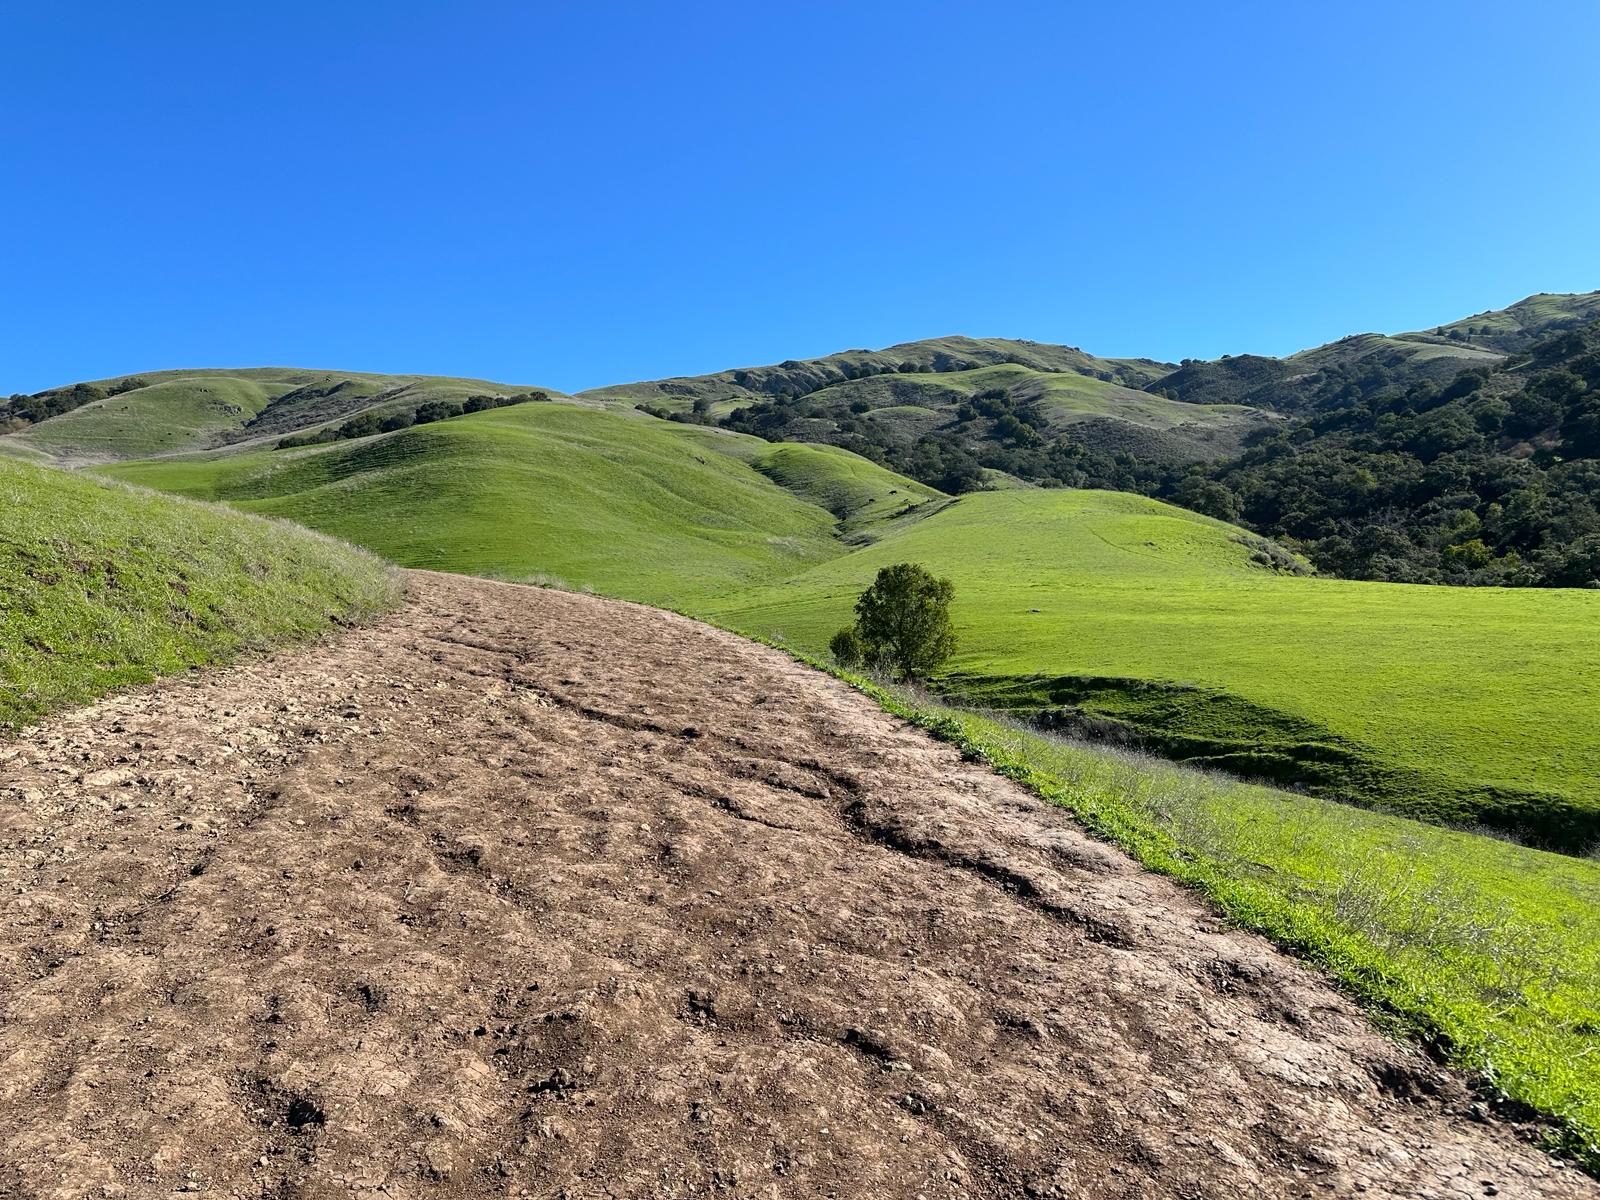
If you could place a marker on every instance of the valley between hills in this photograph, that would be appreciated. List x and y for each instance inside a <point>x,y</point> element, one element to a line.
<point>538,889</point>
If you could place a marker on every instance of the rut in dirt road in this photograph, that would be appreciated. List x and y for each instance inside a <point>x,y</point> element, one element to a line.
<point>529,893</point>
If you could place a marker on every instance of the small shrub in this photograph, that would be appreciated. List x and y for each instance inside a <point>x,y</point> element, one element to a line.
<point>847,648</point>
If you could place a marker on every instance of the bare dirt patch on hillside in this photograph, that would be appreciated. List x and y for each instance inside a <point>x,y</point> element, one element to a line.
<point>528,893</point>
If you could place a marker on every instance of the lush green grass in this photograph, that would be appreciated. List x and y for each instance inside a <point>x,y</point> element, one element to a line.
<point>614,501</point>
<point>1488,950</point>
<point>103,586</point>
<point>861,495</point>
<point>187,410</point>
<point>1452,703</point>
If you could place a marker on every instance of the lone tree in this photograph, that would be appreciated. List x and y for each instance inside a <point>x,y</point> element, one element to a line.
<point>902,624</point>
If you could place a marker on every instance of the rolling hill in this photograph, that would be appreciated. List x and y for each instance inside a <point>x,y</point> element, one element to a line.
<point>1106,611</point>
<point>606,499</point>
<point>726,390</point>
<point>1516,328</point>
<point>1363,364</point>
<point>103,586</point>
<point>165,412</point>
<point>892,405</point>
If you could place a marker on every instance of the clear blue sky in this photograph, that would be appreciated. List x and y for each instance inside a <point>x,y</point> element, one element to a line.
<point>580,193</point>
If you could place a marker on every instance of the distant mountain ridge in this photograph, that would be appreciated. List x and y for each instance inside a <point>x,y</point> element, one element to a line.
<point>161,412</point>
<point>1284,445</point>
<point>1361,364</point>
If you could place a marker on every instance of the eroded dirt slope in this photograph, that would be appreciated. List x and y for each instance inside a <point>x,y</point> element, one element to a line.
<point>526,893</point>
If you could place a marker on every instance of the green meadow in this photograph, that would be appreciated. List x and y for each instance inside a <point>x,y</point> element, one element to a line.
<point>1455,704</point>
<point>102,586</point>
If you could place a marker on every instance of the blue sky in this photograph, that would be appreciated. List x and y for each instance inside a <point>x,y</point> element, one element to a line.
<point>572,194</point>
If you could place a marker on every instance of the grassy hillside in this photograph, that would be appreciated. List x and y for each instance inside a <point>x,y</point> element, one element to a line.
<point>617,501</point>
<point>11,448</point>
<point>1415,355</point>
<point>892,413</point>
<point>1127,616</point>
<point>103,586</point>
<point>173,411</point>
<point>1514,329</point>
<point>862,497</point>
<point>725,390</point>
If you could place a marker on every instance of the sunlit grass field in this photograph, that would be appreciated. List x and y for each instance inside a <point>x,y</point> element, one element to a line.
<point>102,586</point>
<point>1459,704</point>
<point>613,501</point>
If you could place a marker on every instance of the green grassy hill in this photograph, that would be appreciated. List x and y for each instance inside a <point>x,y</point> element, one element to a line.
<point>103,586</point>
<point>163,412</point>
<point>1127,616</point>
<point>613,500</point>
<point>725,390</point>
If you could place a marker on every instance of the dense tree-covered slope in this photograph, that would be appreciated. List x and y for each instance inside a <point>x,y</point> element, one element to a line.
<point>1492,478</point>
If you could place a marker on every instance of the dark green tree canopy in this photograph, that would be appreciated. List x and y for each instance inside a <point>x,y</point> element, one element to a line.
<point>902,623</point>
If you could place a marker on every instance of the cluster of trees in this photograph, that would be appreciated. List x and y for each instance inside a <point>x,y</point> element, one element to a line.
<point>368,423</point>
<point>20,411</point>
<point>1492,478</point>
<point>992,430</point>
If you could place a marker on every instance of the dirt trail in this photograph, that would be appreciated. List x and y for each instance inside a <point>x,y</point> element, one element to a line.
<point>527,893</point>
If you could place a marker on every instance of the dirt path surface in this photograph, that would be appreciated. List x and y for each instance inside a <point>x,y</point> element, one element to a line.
<point>533,894</point>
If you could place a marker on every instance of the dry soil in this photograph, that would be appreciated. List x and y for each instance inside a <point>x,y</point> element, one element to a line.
<point>534,894</point>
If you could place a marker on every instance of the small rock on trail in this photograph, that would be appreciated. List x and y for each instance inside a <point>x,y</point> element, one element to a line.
<point>529,893</point>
